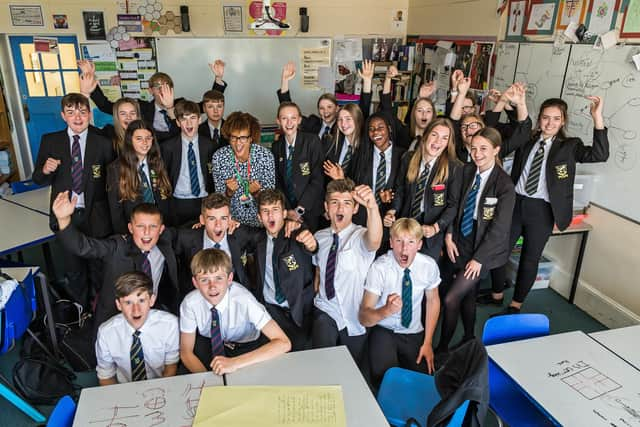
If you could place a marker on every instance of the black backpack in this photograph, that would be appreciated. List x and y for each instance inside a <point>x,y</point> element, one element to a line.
<point>43,381</point>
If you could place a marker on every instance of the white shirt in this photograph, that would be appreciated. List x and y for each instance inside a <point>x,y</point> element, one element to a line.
<point>376,162</point>
<point>385,277</point>
<point>207,243</point>
<point>343,151</point>
<point>156,260</point>
<point>352,263</point>
<point>483,181</point>
<point>160,345</point>
<point>183,185</point>
<point>541,192</point>
<point>269,289</point>
<point>159,123</point>
<point>83,145</point>
<point>241,316</point>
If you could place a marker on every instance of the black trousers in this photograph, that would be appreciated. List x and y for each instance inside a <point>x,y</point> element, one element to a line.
<point>325,333</point>
<point>533,220</point>
<point>299,336</point>
<point>202,348</point>
<point>388,349</point>
<point>185,211</point>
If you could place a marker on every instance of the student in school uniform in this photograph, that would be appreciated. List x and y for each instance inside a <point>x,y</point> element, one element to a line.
<point>478,239</point>
<point>543,173</point>
<point>284,283</point>
<point>323,124</point>
<point>216,221</point>
<point>137,176</point>
<point>75,160</point>
<point>187,159</point>
<point>222,326</point>
<point>428,186</point>
<point>145,249</point>
<point>299,157</point>
<point>140,343</point>
<point>396,284</point>
<point>345,253</point>
<point>213,106</point>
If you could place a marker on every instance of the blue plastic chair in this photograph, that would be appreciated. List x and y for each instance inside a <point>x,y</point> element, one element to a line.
<point>63,413</point>
<point>507,400</point>
<point>406,394</point>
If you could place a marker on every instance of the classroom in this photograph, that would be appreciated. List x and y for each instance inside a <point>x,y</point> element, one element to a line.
<point>319,213</point>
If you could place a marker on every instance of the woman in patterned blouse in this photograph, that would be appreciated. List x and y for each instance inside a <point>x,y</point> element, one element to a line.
<point>243,168</point>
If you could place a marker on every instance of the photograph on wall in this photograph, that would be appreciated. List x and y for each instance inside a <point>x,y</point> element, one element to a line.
<point>541,16</point>
<point>571,11</point>
<point>60,22</point>
<point>631,20</point>
<point>381,49</point>
<point>232,16</point>
<point>515,20</point>
<point>26,16</point>
<point>602,15</point>
<point>481,65</point>
<point>398,20</point>
<point>94,28</point>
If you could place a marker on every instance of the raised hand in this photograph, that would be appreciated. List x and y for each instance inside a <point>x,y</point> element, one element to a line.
<point>427,89</point>
<point>392,72</point>
<point>456,76</point>
<point>364,195</point>
<point>306,238</point>
<point>62,207</point>
<point>218,68</point>
<point>596,108</point>
<point>367,70</point>
<point>166,96</point>
<point>86,66</point>
<point>464,84</point>
<point>88,83</point>
<point>288,71</point>
<point>389,218</point>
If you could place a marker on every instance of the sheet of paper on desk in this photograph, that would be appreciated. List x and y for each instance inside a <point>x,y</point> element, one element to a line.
<point>271,406</point>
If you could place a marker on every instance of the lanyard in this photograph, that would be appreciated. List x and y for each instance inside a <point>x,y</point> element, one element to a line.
<point>241,181</point>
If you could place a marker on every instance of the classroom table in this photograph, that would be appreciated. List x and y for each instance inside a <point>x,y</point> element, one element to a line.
<point>583,230</point>
<point>21,227</point>
<point>326,366</point>
<point>36,200</point>
<point>625,342</point>
<point>170,402</point>
<point>573,378</point>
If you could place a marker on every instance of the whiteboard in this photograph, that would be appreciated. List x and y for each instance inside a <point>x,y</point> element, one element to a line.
<point>611,75</point>
<point>505,69</point>
<point>252,72</point>
<point>541,66</point>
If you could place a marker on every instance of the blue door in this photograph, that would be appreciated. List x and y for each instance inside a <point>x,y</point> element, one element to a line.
<point>44,78</point>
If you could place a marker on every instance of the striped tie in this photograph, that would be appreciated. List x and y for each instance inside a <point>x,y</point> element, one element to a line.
<point>217,345</point>
<point>347,159</point>
<point>167,121</point>
<point>76,165</point>
<point>325,131</point>
<point>406,298</point>
<point>216,135</point>
<point>193,171</point>
<point>469,207</point>
<point>280,297</point>
<point>381,176</point>
<point>216,246</point>
<point>332,259</point>
<point>146,265</point>
<point>534,171</point>
<point>416,205</point>
<point>138,370</point>
<point>289,176</point>
<point>147,193</point>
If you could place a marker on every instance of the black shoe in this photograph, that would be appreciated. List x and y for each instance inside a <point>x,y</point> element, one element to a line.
<point>488,299</point>
<point>508,310</point>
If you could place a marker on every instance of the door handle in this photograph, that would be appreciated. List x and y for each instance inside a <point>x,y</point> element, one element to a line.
<point>25,111</point>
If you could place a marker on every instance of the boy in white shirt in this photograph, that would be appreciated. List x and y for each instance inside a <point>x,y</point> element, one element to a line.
<point>392,303</point>
<point>345,252</point>
<point>139,343</point>
<point>221,322</point>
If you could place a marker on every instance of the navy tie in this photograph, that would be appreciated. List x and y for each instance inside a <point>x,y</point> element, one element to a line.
<point>289,176</point>
<point>325,132</point>
<point>534,171</point>
<point>146,265</point>
<point>147,193</point>
<point>416,205</point>
<point>167,121</point>
<point>381,176</point>
<point>332,260</point>
<point>280,297</point>
<point>347,159</point>
<point>216,135</point>
<point>216,246</point>
<point>193,171</point>
<point>138,370</point>
<point>76,166</point>
<point>217,345</point>
<point>406,298</point>
<point>469,207</point>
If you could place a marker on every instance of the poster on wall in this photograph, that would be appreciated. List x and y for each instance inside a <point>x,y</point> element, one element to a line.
<point>26,16</point>
<point>481,65</point>
<point>257,15</point>
<point>94,28</point>
<point>602,15</point>
<point>311,60</point>
<point>571,11</point>
<point>104,59</point>
<point>540,17</point>
<point>136,63</point>
<point>515,20</point>
<point>631,20</point>
<point>232,16</point>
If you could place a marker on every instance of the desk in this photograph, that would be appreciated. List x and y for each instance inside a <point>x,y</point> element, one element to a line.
<point>169,402</point>
<point>583,229</point>
<point>326,366</point>
<point>36,200</point>
<point>625,342</point>
<point>21,228</point>
<point>573,378</point>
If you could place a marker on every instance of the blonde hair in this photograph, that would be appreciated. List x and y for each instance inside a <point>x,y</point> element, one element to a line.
<point>406,226</point>
<point>442,164</point>
<point>210,261</point>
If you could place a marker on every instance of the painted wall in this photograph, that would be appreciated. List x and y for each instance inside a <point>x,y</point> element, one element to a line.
<point>453,18</point>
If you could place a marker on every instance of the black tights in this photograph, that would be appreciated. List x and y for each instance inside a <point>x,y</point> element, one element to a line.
<point>460,299</point>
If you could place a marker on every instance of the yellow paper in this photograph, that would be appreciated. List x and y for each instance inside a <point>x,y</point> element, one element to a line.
<point>271,406</point>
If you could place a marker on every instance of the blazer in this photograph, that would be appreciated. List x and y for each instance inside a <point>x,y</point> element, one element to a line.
<point>561,169</point>
<point>119,209</point>
<point>439,206</point>
<point>295,272</point>
<point>97,155</point>
<point>205,132</point>
<point>307,173</point>
<point>172,156</point>
<point>120,255</point>
<point>401,132</point>
<point>491,244</point>
<point>310,124</point>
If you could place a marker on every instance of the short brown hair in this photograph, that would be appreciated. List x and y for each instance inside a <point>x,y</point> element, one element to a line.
<point>184,108</point>
<point>160,78</point>
<point>286,104</point>
<point>345,185</point>
<point>213,96</point>
<point>129,283</point>
<point>209,261</point>
<point>74,100</point>
<point>270,196</point>
<point>329,97</point>
<point>406,225</point>
<point>238,122</point>
<point>148,209</point>
<point>215,201</point>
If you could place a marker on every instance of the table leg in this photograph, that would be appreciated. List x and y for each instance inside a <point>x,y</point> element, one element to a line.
<point>576,271</point>
<point>48,260</point>
<point>42,279</point>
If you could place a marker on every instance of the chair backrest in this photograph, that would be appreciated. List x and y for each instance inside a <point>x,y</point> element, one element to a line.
<point>24,186</point>
<point>63,413</point>
<point>513,327</point>
<point>17,313</point>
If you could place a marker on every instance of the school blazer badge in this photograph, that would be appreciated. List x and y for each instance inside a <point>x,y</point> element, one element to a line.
<point>489,208</point>
<point>305,169</point>
<point>291,262</point>
<point>562,171</point>
<point>438,198</point>
<point>96,171</point>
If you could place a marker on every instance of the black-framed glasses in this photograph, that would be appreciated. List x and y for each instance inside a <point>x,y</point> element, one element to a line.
<point>471,126</point>
<point>241,138</point>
